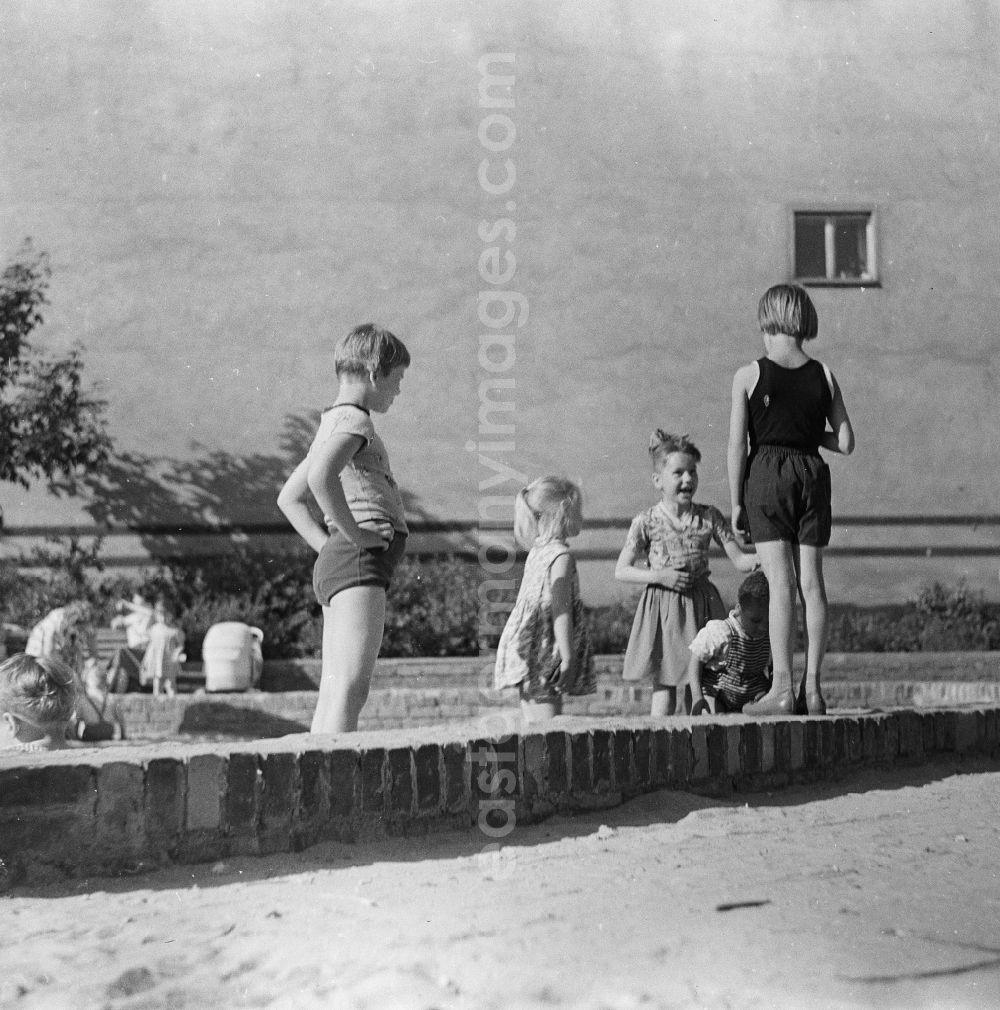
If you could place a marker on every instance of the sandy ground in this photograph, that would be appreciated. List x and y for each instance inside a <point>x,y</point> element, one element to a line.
<point>879,891</point>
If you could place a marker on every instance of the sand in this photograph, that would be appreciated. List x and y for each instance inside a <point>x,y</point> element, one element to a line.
<point>882,890</point>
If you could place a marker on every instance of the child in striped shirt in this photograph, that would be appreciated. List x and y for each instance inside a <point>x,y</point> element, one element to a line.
<point>734,655</point>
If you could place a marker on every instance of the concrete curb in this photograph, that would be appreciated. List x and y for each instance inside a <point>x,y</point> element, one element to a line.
<point>113,810</point>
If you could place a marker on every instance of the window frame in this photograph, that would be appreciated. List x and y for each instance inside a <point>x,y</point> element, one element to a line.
<point>873,280</point>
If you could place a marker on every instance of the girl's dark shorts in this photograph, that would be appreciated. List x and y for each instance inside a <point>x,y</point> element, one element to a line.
<point>787,497</point>
<point>343,565</point>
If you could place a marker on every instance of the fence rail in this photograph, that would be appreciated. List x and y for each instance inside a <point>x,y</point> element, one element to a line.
<point>175,540</point>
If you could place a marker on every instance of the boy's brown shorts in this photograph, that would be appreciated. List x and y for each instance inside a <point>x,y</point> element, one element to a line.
<point>787,497</point>
<point>341,564</point>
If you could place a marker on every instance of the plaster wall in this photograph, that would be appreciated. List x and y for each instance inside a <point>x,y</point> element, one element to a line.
<point>226,188</point>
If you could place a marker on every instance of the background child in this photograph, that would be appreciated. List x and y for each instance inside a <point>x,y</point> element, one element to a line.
<point>68,634</point>
<point>672,538</point>
<point>161,662</point>
<point>735,653</point>
<point>347,473</point>
<point>136,618</point>
<point>780,491</point>
<point>545,649</point>
<point>37,701</point>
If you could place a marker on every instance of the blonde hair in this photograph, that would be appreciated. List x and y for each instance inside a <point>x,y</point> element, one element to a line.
<point>545,509</point>
<point>40,688</point>
<point>788,309</point>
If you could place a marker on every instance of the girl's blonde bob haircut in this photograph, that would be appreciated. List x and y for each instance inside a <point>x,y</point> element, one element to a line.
<point>786,308</point>
<point>546,510</point>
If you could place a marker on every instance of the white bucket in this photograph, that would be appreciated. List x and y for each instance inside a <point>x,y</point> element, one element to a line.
<point>231,656</point>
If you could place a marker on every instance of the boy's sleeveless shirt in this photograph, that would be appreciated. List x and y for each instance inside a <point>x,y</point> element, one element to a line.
<point>369,487</point>
<point>789,406</point>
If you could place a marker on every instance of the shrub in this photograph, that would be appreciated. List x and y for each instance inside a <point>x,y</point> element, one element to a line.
<point>433,609</point>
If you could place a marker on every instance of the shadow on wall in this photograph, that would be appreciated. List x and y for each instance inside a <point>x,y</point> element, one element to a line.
<point>206,505</point>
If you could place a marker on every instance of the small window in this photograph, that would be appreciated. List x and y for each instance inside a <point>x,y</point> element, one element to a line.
<point>834,247</point>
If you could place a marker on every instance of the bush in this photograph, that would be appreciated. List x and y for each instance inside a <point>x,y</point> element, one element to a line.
<point>433,609</point>
<point>940,619</point>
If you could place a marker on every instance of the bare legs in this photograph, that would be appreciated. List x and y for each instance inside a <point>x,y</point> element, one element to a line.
<point>792,570</point>
<point>813,590</point>
<point>353,625</point>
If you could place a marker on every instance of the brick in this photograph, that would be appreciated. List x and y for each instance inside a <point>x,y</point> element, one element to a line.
<point>990,731</point>
<point>734,753</point>
<point>927,730</point>
<point>582,765</point>
<point>427,774</point>
<point>796,745</point>
<point>533,766</point>
<point>622,744</point>
<point>279,791</point>
<point>556,767</point>
<point>164,798</point>
<point>767,757</point>
<point>48,785</point>
<point>314,787</point>
<point>717,746</point>
<point>841,755</point>
<point>681,757</point>
<point>400,767</point>
<point>867,739</point>
<point>206,786</point>
<point>373,785</point>
<point>881,749</point>
<point>119,804</point>
<point>601,742</point>
<point>811,742</point>
<point>966,732</point>
<point>783,745</point>
<point>662,765</point>
<point>345,782</point>
<point>457,778</point>
<point>892,738</point>
<point>826,742</point>
<point>750,746</point>
<point>242,787</point>
<point>911,734</point>
<point>854,732</point>
<point>944,731</point>
<point>700,766</point>
<point>642,754</point>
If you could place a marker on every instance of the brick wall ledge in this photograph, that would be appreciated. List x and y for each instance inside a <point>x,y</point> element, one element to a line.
<point>303,674</point>
<point>416,702</point>
<point>124,809</point>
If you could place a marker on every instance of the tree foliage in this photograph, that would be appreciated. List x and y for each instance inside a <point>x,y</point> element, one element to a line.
<point>50,424</point>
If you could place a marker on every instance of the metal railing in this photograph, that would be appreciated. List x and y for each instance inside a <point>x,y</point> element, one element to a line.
<point>164,541</point>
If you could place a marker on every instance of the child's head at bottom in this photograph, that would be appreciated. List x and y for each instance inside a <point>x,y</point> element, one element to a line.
<point>549,508</point>
<point>753,598</point>
<point>37,697</point>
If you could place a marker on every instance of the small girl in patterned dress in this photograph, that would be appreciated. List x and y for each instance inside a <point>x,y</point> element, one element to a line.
<point>672,540</point>
<point>544,650</point>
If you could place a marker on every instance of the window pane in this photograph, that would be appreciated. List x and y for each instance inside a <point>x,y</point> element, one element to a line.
<point>810,245</point>
<point>850,244</point>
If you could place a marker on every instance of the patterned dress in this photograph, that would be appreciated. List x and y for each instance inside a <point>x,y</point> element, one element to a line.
<point>527,651</point>
<point>667,621</point>
<point>736,665</point>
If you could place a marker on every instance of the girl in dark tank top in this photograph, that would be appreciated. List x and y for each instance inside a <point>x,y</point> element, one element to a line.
<point>786,406</point>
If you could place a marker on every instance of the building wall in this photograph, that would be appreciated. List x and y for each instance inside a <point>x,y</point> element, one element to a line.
<point>225,188</point>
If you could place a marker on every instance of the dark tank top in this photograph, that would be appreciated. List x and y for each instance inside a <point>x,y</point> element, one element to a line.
<point>789,406</point>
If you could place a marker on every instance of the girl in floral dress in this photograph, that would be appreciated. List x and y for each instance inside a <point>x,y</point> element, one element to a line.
<point>666,551</point>
<point>544,650</point>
